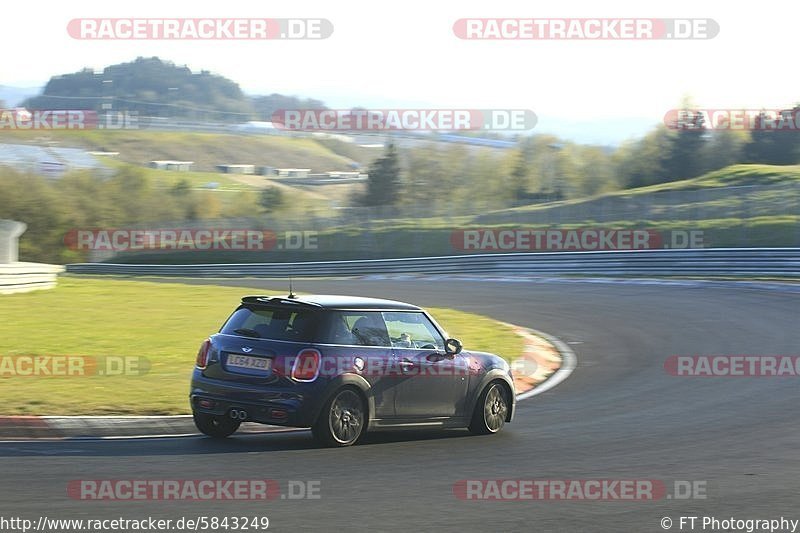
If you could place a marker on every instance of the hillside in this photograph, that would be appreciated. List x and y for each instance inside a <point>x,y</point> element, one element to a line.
<point>206,149</point>
<point>739,206</point>
<point>148,86</point>
<point>739,191</point>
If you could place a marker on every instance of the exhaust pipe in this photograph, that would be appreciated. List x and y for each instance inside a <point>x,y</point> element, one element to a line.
<point>238,414</point>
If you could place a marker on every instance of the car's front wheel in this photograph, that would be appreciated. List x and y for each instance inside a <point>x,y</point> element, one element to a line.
<point>218,427</point>
<point>491,410</point>
<point>342,420</point>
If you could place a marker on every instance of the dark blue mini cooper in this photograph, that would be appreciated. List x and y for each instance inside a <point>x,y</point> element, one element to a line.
<point>342,366</point>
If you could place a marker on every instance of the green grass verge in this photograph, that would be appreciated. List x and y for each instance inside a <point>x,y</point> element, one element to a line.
<point>164,322</point>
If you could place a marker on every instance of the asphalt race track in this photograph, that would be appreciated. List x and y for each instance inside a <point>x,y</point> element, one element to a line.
<point>618,416</point>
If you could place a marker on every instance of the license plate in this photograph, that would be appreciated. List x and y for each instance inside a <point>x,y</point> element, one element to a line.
<point>246,361</point>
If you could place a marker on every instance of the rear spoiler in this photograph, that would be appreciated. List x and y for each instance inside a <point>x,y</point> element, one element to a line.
<point>277,300</point>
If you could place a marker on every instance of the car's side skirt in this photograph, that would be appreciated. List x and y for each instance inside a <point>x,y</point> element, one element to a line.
<point>377,424</point>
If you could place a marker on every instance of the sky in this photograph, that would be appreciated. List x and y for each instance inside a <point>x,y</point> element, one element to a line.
<point>403,54</point>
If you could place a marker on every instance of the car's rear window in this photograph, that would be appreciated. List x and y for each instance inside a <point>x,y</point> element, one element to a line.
<point>272,323</point>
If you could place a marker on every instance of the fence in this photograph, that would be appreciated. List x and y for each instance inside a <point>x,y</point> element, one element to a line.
<point>762,262</point>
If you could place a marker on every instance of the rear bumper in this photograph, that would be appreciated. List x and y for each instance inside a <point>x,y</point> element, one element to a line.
<point>297,406</point>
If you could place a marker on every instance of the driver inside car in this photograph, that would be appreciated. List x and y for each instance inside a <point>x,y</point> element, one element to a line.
<point>404,341</point>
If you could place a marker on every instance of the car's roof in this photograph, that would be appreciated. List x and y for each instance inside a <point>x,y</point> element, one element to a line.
<point>332,301</point>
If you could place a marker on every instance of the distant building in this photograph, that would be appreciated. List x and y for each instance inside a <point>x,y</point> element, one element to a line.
<point>342,175</point>
<point>180,166</point>
<point>237,169</point>
<point>267,171</point>
<point>293,172</point>
<point>328,178</point>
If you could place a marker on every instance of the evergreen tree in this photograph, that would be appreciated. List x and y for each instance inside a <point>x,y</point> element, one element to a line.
<point>383,184</point>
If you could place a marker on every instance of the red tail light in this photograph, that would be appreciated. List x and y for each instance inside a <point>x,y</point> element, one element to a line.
<point>306,366</point>
<point>202,354</point>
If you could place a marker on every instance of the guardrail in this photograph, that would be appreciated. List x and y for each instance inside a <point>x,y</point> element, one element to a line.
<point>728,262</point>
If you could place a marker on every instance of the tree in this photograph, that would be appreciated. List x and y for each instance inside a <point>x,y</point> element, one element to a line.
<point>643,162</point>
<point>684,159</point>
<point>773,142</point>
<point>519,177</point>
<point>271,199</point>
<point>383,184</point>
<point>593,170</point>
<point>725,147</point>
<point>181,188</point>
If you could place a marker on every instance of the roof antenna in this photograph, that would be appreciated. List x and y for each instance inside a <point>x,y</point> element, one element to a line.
<point>292,295</point>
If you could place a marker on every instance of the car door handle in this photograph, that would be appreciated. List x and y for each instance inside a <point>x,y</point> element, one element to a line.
<point>406,365</point>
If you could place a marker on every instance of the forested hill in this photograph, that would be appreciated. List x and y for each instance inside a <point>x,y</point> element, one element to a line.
<point>153,87</point>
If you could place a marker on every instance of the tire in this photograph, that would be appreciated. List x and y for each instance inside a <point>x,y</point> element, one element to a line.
<point>490,410</point>
<point>218,427</point>
<point>342,419</point>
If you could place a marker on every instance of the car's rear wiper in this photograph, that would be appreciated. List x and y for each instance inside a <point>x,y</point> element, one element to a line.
<point>247,332</point>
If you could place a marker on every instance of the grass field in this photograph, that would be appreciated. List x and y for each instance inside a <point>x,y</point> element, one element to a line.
<point>206,149</point>
<point>237,195</point>
<point>162,322</point>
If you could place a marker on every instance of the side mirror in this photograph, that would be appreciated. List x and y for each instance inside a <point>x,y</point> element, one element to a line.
<point>453,346</point>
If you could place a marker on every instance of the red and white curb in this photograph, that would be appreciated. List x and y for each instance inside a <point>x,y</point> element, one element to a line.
<point>568,363</point>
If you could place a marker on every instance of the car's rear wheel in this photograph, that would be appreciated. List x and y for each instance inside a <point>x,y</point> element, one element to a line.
<point>218,427</point>
<point>342,419</point>
<point>491,410</point>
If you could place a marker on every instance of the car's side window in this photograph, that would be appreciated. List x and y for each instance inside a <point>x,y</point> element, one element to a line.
<point>365,328</point>
<point>412,330</point>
